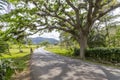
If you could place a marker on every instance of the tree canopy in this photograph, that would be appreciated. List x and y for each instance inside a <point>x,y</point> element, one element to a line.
<point>76,17</point>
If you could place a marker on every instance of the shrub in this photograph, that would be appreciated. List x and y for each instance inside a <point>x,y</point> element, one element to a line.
<point>3,46</point>
<point>102,54</point>
<point>76,51</point>
<point>6,69</point>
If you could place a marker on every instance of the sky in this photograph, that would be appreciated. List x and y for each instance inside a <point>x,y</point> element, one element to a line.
<point>54,34</point>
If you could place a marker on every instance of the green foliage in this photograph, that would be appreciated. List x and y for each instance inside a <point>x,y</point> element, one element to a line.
<point>6,69</point>
<point>76,51</point>
<point>113,39</point>
<point>67,40</point>
<point>44,43</point>
<point>111,55</point>
<point>96,39</point>
<point>15,61</point>
<point>3,46</point>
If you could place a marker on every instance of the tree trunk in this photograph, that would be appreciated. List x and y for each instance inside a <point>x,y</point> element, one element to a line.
<point>83,46</point>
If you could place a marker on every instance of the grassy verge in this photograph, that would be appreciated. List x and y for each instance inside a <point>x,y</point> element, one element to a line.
<point>20,60</point>
<point>59,50</point>
<point>65,52</point>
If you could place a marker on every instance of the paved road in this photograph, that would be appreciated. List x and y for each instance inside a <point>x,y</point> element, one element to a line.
<point>48,66</point>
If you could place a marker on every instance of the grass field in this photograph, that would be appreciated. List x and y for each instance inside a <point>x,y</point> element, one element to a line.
<point>14,53</point>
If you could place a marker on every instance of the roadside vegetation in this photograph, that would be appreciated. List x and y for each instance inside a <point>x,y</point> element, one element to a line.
<point>12,64</point>
<point>103,46</point>
<point>101,56</point>
<point>59,50</point>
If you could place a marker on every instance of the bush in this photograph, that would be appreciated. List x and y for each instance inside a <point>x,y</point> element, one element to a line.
<point>6,69</point>
<point>76,52</point>
<point>3,46</point>
<point>102,54</point>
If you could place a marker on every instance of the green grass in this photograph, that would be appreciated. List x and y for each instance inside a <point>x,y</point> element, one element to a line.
<point>59,50</point>
<point>14,53</point>
<point>21,60</point>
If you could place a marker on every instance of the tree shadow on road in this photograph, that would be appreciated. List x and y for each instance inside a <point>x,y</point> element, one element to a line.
<point>54,67</point>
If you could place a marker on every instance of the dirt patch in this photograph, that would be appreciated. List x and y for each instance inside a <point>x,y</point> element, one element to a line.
<point>24,75</point>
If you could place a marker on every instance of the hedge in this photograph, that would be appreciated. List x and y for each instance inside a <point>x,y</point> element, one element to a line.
<point>102,54</point>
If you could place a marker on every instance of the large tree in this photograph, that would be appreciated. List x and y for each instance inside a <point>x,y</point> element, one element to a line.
<point>76,17</point>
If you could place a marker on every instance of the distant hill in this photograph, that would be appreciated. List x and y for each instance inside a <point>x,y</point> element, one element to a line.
<point>37,40</point>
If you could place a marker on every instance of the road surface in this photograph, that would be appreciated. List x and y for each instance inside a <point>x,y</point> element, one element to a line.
<point>49,66</point>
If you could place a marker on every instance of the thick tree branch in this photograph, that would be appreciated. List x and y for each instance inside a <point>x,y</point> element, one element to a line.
<point>97,6</point>
<point>89,15</point>
<point>40,29</point>
<point>71,18</point>
<point>63,29</point>
<point>71,5</point>
<point>88,24</point>
<point>78,24</point>
<point>56,16</point>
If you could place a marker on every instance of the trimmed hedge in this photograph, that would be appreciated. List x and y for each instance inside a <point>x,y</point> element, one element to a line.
<point>102,54</point>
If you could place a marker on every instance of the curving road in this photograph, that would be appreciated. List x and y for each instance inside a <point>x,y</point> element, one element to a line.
<point>48,66</point>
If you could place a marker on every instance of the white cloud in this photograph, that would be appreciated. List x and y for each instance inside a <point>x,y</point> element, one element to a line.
<point>53,34</point>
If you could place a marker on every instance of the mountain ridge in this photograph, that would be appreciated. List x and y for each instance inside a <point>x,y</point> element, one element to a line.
<point>37,40</point>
